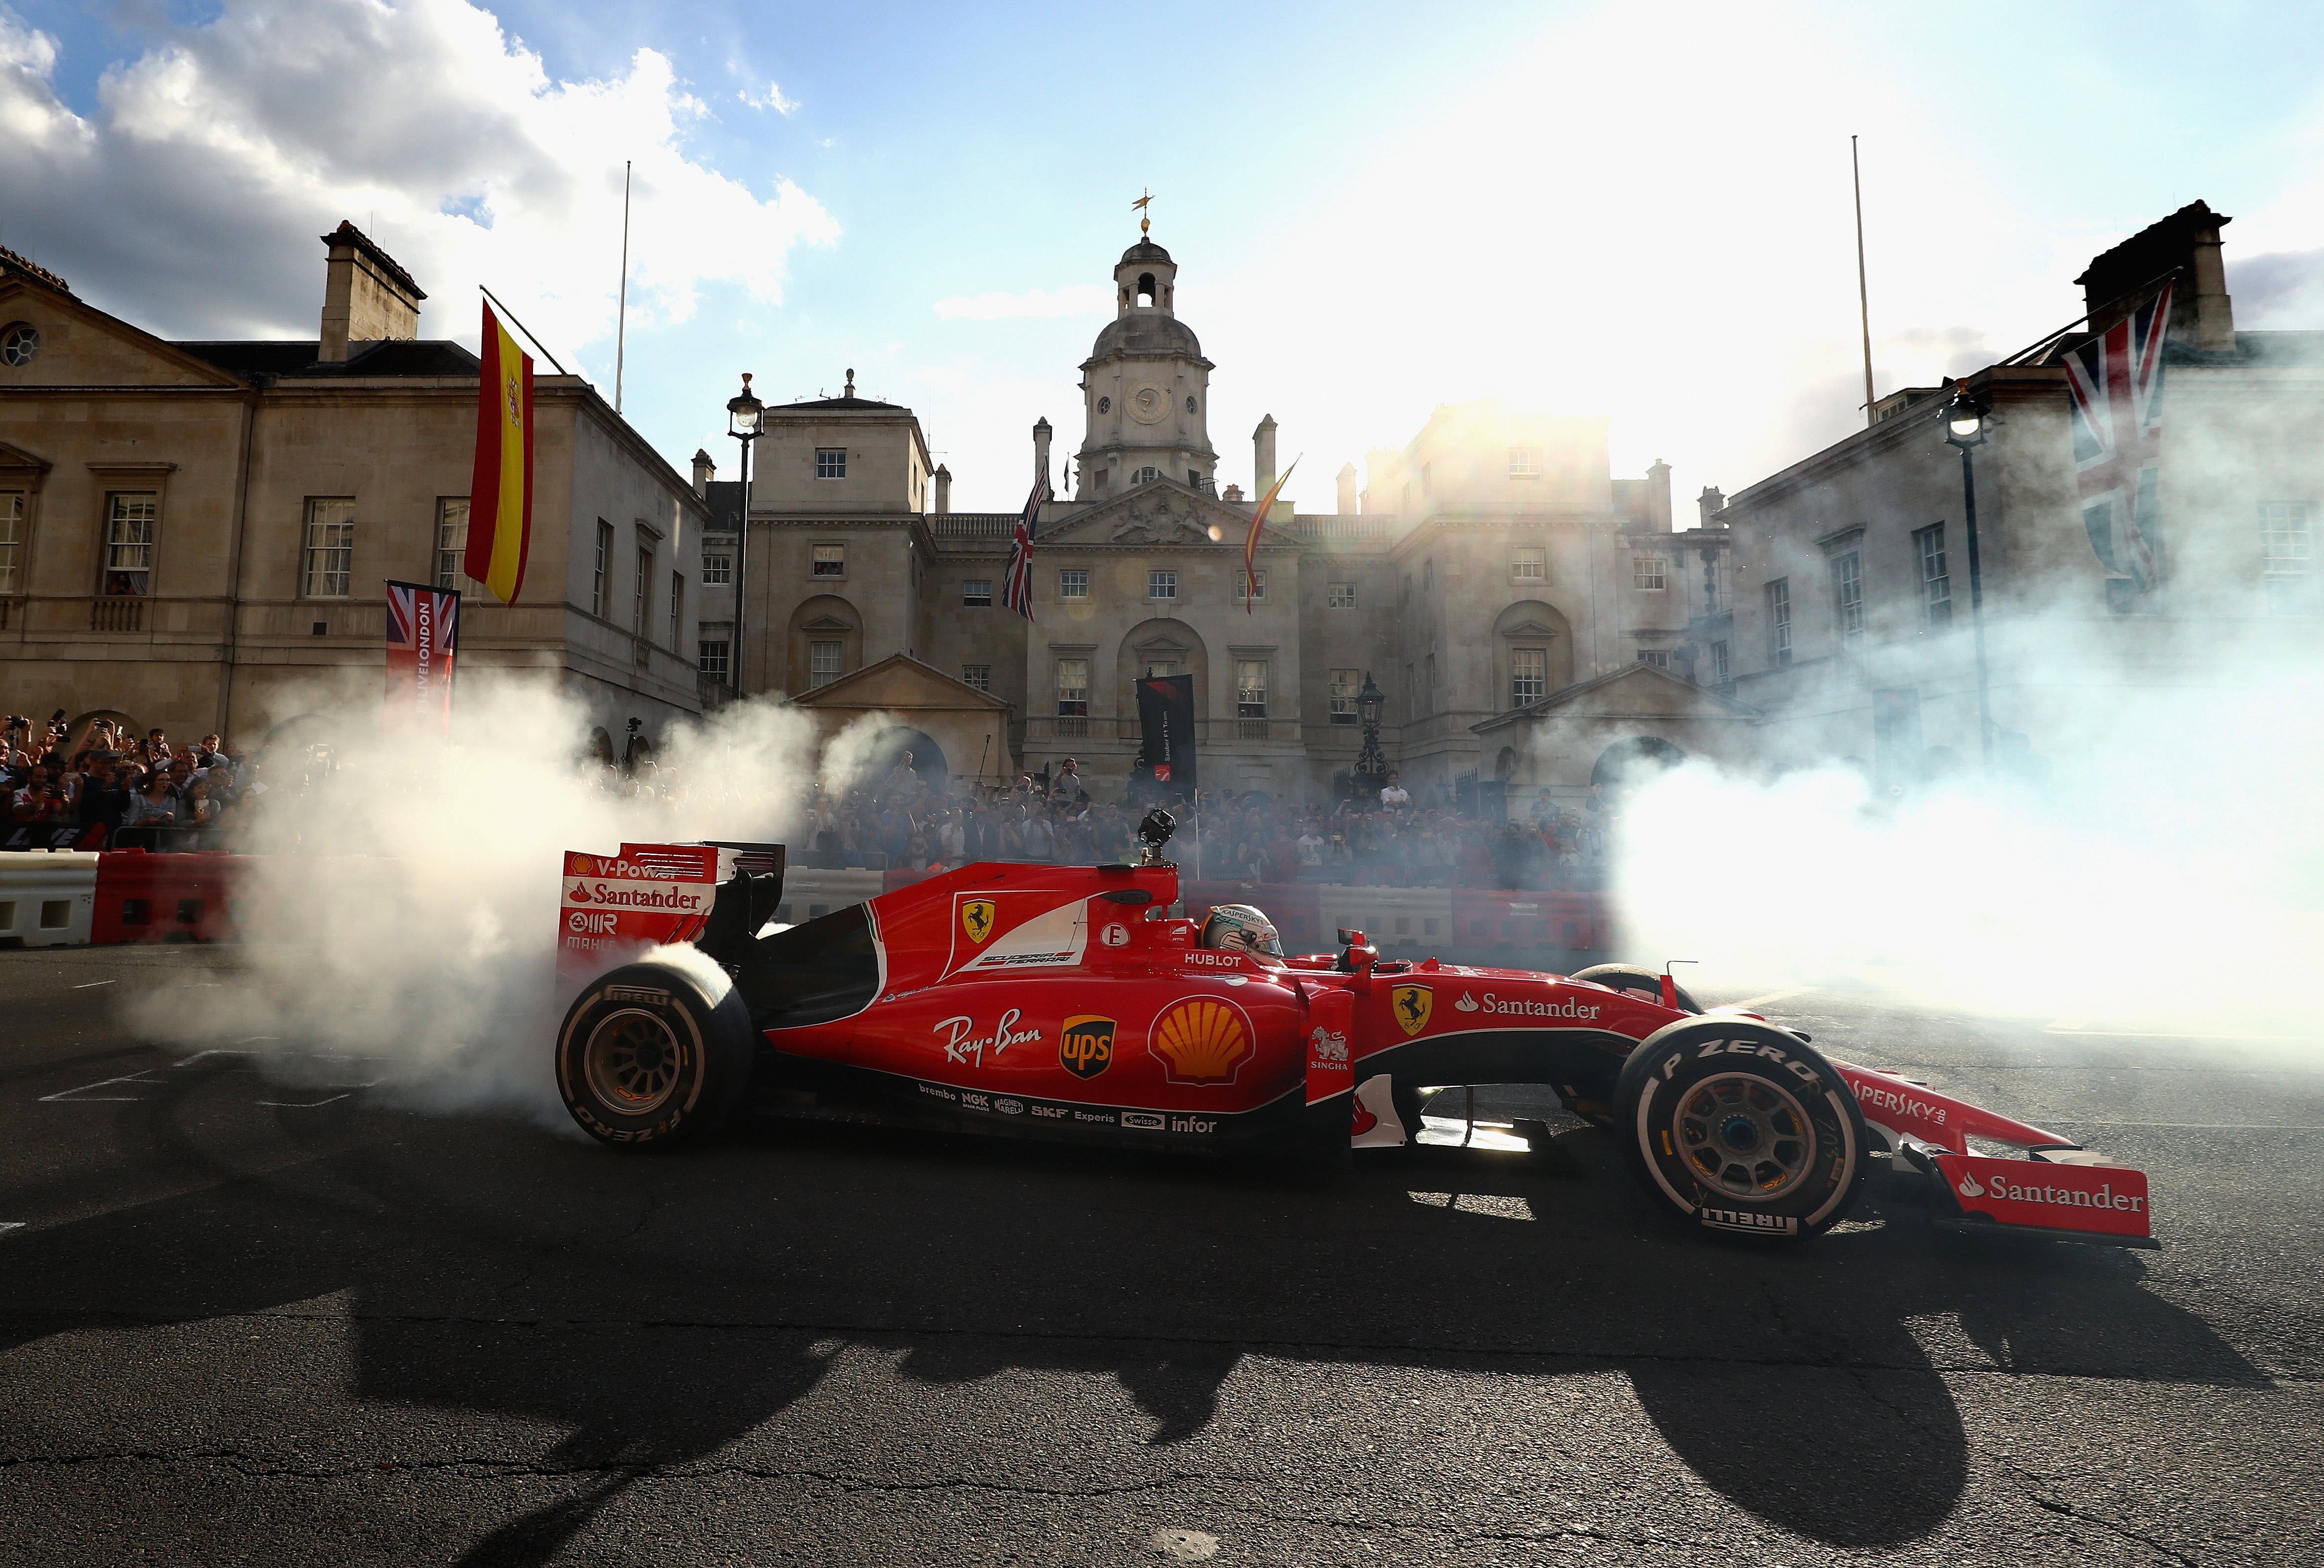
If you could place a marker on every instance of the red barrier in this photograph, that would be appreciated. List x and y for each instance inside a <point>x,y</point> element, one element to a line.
<point>1565,922</point>
<point>167,898</point>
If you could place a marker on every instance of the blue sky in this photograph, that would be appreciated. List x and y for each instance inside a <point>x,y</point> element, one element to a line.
<point>1636,211</point>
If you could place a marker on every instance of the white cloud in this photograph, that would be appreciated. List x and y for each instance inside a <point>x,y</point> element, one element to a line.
<point>191,201</point>
<point>1072,300</point>
<point>773,98</point>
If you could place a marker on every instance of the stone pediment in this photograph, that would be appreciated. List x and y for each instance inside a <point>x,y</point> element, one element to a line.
<point>82,345</point>
<point>899,684</point>
<point>1158,515</point>
<point>1635,692</point>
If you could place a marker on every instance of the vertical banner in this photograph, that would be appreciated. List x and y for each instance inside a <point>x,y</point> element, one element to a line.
<point>1166,724</point>
<point>423,628</point>
<point>499,492</point>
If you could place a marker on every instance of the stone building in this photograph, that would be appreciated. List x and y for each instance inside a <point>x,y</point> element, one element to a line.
<point>1851,630</point>
<point>196,534</point>
<point>1489,565</point>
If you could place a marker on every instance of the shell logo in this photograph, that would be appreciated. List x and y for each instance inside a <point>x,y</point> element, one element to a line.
<point>1201,1040</point>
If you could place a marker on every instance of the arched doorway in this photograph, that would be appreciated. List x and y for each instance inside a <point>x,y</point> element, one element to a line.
<point>888,748</point>
<point>1626,765</point>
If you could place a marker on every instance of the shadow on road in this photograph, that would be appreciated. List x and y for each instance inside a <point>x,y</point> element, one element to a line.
<point>495,1269</point>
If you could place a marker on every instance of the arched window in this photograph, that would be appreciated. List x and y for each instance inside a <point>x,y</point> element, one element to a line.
<point>1146,292</point>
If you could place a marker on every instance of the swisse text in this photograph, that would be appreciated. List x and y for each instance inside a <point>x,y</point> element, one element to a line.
<point>1536,1008</point>
<point>961,1044</point>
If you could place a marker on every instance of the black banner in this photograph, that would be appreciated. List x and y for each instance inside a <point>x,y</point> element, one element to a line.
<point>1165,721</point>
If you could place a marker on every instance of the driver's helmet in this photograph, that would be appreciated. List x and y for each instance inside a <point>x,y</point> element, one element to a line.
<point>1241,928</point>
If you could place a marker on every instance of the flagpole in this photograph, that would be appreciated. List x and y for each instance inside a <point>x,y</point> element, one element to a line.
<point>521,326</point>
<point>622,311</point>
<point>1863,293</point>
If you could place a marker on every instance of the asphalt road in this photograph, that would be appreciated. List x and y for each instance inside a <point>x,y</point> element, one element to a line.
<point>253,1315</point>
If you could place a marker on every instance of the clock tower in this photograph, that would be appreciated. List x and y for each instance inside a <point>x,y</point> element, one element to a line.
<point>1145,388</point>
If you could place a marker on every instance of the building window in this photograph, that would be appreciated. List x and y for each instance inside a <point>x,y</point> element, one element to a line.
<point>1250,689</point>
<point>1242,588</point>
<point>1528,675</point>
<point>717,566</point>
<point>131,519</point>
<point>831,462</point>
<point>1657,657</point>
<point>676,603</point>
<point>1525,461</point>
<point>1779,621</point>
<point>643,595</point>
<point>1428,574</point>
<point>12,536</point>
<point>1342,596</point>
<point>1072,582</point>
<point>1847,592</point>
<point>1936,581</point>
<point>1649,574</point>
<point>830,561</point>
<point>1156,669</point>
<point>979,675</point>
<point>2287,558</point>
<point>1428,670</point>
<point>1073,689</point>
<point>1709,582</point>
<point>452,545</point>
<point>1529,564</point>
<point>1722,671</point>
<point>1343,696</point>
<point>822,663</point>
<point>20,342</point>
<point>1161,584</point>
<point>714,663</point>
<point>330,545</point>
<point>976,594</point>
<point>1147,475</point>
<point>604,564</point>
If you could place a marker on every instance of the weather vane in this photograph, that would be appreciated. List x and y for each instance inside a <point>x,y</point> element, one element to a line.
<point>1145,223</point>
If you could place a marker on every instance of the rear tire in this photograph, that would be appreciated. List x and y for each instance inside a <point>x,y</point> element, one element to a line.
<point>1741,1129</point>
<point>647,1060</point>
<point>1632,979</point>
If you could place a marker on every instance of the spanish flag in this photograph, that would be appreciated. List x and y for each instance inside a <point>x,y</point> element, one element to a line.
<point>500,496</point>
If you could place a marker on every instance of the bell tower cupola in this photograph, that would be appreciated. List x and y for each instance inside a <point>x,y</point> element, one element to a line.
<point>1145,387</point>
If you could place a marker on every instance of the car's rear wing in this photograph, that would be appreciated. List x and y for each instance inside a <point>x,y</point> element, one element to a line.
<point>715,894</point>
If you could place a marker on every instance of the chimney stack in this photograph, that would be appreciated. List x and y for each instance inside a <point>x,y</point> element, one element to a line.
<point>1348,503</point>
<point>1658,501</point>
<point>944,490</point>
<point>2186,246</point>
<point>1041,449</point>
<point>366,298</point>
<point>1711,503</point>
<point>705,471</point>
<point>1262,455</point>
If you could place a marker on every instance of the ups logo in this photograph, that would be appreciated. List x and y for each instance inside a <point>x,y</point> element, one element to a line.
<point>1086,1045</point>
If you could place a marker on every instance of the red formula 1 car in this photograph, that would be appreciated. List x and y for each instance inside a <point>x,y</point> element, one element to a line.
<point>1063,1002</point>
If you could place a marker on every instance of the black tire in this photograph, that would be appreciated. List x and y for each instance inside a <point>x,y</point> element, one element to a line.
<point>647,1060</point>
<point>1635,980</point>
<point>1740,1128</point>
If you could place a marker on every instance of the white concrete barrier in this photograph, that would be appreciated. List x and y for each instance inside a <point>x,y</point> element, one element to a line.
<point>47,897</point>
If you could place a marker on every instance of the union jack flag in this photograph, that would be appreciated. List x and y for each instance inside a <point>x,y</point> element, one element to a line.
<point>2116,383</point>
<point>1017,582</point>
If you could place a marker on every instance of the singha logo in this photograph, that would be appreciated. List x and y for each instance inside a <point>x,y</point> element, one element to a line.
<point>1467,1003</point>
<point>1328,1046</point>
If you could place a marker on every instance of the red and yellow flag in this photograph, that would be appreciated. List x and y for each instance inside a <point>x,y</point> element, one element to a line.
<point>1250,541</point>
<point>500,496</point>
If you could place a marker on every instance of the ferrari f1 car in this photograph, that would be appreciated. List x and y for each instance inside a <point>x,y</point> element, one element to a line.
<point>1066,1003</point>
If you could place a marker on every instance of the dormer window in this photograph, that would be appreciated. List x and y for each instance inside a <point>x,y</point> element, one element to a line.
<point>1149,476</point>
<point>1146,292</point>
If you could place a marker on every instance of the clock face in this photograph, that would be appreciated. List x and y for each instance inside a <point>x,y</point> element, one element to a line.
<point>1148,403</point>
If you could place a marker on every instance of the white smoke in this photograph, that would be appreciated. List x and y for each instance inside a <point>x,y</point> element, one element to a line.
<point>408,902</point>
<point>2161,867</point>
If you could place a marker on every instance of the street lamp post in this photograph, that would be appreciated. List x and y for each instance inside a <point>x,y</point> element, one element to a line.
<point>1965,428</point>
<point>1371,766</point>
<point>744,414</point>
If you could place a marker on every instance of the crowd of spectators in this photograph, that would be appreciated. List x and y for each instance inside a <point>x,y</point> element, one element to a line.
<point>118,791</point>
<point>900,820</point>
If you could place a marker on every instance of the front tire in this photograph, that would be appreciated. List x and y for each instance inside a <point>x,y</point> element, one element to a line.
<point>648,1060</point>
<point>1740,1128</point>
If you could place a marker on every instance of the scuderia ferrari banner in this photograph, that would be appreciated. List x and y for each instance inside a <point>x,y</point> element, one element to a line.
<point>423,628</point>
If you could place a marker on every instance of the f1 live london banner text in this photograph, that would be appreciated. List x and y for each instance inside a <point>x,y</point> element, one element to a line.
<point>423,626</point>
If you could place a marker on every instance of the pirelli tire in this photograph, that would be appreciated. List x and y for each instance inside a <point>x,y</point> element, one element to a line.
<point>648,1060</point>
<point>1739,1128</point>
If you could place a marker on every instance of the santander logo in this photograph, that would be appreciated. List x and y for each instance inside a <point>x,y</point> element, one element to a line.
<point>1468,1003</point>
<point>1971,1187</point>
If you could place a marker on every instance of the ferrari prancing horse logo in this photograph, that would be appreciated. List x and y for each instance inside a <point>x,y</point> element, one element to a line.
<point>1412,1004</point>
<point>976,918</point>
